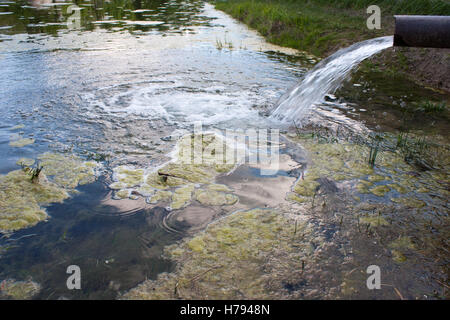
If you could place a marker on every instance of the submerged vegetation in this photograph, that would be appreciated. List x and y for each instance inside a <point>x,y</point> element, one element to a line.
<point>389,170</point>
<point>432,107</point>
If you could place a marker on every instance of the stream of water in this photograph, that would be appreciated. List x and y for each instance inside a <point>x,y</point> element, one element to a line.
<point>325,78</point>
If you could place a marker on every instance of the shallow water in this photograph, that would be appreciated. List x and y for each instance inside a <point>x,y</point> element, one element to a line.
<point>114,87</point>
<point>121,88</point>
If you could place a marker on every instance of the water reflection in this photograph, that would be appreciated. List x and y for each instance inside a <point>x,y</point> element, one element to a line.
<point>50,16</point>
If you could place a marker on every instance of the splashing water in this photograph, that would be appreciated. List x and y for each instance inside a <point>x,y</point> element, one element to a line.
<point>325,78</point>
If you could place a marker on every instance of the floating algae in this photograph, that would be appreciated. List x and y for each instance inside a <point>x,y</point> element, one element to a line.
<point>400,188</point>
<point>21,200</point>
<point>231,259</point>
<point>399,248</point>
<point>210,197</point>
<point>341,162</point>
<point>21,142</point>
<point>294,197</point>
<point>374,220</point>
<point>26,162</point>
<point>380,190</point>
<point>346,161</point>
<point>181,197</point>
<point>191,167</point>
<point>127,177</point>
<point>363,186</point>
<point>122,194</point>
<point>18,290</point>
<point>19,126</point>
<point>409,202</point>
<point>160,195</point>
<point>68,171</point>
<point>377,178</point>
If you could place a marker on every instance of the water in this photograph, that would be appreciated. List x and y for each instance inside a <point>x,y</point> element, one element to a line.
<point>134,75</point>
<point>325,78</point>
<point>116,86</point>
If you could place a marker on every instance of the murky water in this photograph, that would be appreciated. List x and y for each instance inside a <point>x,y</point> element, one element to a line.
<point>119,85</point>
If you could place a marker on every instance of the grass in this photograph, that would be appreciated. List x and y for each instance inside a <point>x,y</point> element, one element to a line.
<point>431,107</point>
<point>34,172</point>
<point>322,26</point>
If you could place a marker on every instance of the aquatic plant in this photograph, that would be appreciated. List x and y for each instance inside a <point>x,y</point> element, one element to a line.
<point>18,290</point>
<point>24,192</point>
<point>243,255</point>
<point>431,107</point>
<point>21,142</point>
<point>177,180</point>
<point>68,171</point>
<point>33,172</point>
<point>21,200</point>
<point>374,145</point>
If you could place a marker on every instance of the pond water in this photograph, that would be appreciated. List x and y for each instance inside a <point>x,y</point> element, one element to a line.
<point>117,83</point>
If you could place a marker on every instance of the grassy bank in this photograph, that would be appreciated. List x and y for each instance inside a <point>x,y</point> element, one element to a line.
<point>321,27</point>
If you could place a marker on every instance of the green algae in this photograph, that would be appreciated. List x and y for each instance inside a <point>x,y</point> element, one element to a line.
<point>146,190</point>
<point>400,188</point>
<point>18,290</point>
<point>21,142</point>
<point>306,187</point>
<point>377,178</point>
<point>161,181</point>
<point>196,245</point>
<point>399,247</point>
<point>21,200</point>
<point>189,173</point>
<point>340,177</point>
<point>402,243</point>
<point>218,187</point>
<point>210,197</point>
<point>291,196</point>
<point>363,186</point>
<point>398,256</point>
<point>19,126</point>
<point>410,202</point>
<point>374,220</point>
<point>160,195</point>
<point>128,177</point>
<point>228,259</point>
<point>179,176</point>
<point>380,190</point>
<point>68,171</point>
<point>181,197</point>
<point>122,194</point>
<point>26,162</point>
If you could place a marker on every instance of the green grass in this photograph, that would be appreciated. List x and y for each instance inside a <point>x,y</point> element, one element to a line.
<point>431,107</point>
<point>322,26</point>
